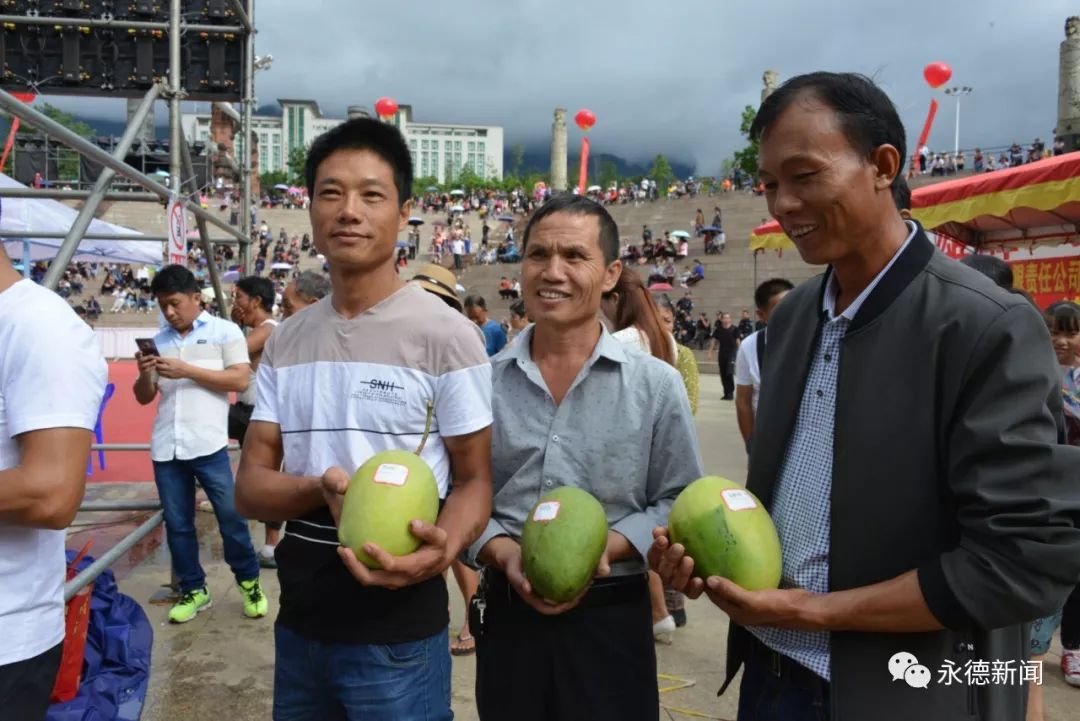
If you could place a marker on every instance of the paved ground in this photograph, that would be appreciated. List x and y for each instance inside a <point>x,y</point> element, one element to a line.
<point>220,666</point>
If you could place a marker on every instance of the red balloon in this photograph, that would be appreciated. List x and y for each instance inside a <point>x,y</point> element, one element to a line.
<point>937,74</point>
<point>386,107</point>
<point>585,119</point>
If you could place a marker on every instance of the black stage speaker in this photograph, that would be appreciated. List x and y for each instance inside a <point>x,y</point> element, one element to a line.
<point>54,58</point>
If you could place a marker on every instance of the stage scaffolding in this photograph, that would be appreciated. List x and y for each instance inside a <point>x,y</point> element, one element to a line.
<point>182,181</point>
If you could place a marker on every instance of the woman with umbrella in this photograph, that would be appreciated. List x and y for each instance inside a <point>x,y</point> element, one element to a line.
<point>414,236</point>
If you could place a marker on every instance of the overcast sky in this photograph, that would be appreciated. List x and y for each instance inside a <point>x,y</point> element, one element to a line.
<point>663,75</point>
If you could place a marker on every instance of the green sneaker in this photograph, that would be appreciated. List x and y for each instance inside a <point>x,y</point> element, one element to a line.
<point>255,603</point>
<point>189,605</point>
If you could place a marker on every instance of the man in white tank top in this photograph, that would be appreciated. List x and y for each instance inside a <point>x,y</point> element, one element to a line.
<point>253,307</point>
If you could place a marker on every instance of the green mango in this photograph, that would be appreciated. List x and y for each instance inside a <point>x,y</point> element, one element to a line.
<point>728,532</point>
<point>385,495</point>
<point>564,536</point>
<point>390,490</point>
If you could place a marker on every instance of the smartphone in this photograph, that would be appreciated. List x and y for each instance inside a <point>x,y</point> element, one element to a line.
<point>147,346</point>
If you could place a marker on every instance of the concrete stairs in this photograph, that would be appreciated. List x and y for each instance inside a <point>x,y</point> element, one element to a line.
<point>729,282</point>
<point>729,278</point>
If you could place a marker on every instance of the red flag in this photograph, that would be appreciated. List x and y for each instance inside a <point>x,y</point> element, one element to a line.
<point>9,143</point>
<point>584,165</point>
<point>26,98</point>
<point>925,133</point>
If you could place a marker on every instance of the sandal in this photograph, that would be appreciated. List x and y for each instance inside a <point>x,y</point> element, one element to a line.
<point>465,645</point>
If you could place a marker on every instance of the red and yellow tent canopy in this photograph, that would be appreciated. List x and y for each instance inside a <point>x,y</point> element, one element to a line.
<point>769,236</point>
<point>1033,204</point>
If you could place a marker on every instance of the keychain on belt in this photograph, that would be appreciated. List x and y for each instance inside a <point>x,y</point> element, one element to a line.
<point>477,607</point>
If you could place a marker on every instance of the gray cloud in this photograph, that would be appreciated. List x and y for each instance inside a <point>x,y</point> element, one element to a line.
<point>666,77</point>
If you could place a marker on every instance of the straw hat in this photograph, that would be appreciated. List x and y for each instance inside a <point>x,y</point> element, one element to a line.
<point>436,279</point>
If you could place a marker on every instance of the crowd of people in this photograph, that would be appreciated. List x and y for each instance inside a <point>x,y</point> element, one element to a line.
<point>943,164</point>
<point>484,203</point>
<point>968,456</point>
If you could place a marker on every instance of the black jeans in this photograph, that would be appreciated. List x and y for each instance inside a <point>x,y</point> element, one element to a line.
<point>239,420</point>
<point>775,688</point>
<point>25,686</point>
<point>727,375</point>
<point>593,663</point>
<point>1070,621</point>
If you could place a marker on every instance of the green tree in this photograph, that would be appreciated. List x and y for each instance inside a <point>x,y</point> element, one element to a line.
<point>421,185</point>
<point>608,175</point>
<point>68,159</point>
<point>508,183</point>
<point>725,168</point>
<point>268,180</point>
<point>492,175</point>
<point>296,161</point>
<point>746,159</point>
<point>517,158</point>
<point>68,120</point>
<point>469,180</point>
<point>662,174</point>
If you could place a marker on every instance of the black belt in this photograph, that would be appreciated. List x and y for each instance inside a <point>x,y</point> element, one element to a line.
<point>603,592</point>
<point>788,671</point>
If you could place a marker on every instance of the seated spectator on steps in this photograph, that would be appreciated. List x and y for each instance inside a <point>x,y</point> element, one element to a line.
<point>697,274</point>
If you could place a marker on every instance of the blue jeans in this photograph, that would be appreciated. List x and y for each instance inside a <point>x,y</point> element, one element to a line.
<point>176,488</point>
<point>764,697</point>
<point>341,682</point>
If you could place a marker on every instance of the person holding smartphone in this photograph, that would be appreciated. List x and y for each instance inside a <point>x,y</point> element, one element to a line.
<point>194,363</point>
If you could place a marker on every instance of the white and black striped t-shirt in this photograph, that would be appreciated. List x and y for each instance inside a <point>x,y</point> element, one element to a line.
<point>342,390</point>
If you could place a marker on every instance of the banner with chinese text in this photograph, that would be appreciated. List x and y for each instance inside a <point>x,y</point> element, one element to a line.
<point>1048,279</point>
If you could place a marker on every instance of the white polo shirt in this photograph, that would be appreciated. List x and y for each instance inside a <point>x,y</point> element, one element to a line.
<point>52,375</point>
<point>747,368</point>
<point>192,421</point>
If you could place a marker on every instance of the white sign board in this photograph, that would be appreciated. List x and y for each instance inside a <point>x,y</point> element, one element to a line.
<point>177,219</point>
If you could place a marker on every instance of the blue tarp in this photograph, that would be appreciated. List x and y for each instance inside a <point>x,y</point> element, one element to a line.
<point>117,666</point>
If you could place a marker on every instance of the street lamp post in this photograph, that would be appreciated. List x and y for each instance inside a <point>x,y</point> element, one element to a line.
<point>957,92</point>
<point>257,62</point>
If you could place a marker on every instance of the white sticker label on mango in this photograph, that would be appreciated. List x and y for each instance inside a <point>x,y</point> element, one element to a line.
<point>547,511</point>
<point>391,474</point>
<point>736,499</point>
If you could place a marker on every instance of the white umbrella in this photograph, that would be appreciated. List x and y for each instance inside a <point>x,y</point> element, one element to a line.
<point>594,189</point>
<point>457,192</point>
<point>37,215</point>
<point>680,234</point>
<point>281,266</point>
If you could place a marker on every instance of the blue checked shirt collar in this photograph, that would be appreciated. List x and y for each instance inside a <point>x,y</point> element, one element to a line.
<point>828,301</point>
